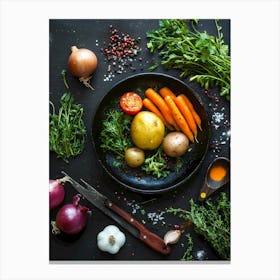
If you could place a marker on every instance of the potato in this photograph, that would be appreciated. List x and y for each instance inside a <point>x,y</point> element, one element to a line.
<point>175,144</point>
<point>147,130</point>
<point>134,157</point>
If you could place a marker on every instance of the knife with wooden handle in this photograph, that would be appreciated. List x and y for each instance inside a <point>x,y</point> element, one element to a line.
<point>125,220</point>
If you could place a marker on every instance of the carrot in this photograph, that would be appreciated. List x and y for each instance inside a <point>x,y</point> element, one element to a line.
<point>151,107</point>
<point>184,109</point>
<point>167,91</point>
<point>164,109</point>
<point>179,117</point>
<point>194,113</point>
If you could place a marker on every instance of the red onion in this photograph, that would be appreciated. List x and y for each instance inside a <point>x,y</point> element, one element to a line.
<point>71,218</point>
<point>56,191</point>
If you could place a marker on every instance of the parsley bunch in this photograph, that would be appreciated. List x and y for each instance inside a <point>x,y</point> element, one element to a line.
<point>156,165</point>
<point>202,56</point>
<point>212,221</point>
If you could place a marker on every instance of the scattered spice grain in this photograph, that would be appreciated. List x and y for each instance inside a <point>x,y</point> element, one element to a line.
<point>121,53</point>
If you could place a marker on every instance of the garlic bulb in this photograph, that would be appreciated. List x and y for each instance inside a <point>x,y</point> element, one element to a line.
<point>111,239</point>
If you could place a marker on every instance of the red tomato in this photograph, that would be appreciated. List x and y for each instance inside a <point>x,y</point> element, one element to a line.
<point>131,103</point>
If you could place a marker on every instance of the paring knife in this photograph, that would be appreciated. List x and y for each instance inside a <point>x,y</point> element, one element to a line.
<point>120,216</point>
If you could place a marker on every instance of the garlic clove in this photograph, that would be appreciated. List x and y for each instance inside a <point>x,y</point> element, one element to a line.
<point>172,236</point>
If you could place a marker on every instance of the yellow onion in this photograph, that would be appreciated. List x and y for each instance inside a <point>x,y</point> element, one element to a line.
<point>82,63</point>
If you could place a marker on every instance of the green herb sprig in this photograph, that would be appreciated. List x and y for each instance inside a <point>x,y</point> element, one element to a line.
<point>114,135</point>
<point>156,165</point>
<point>202,56</point>
<point>212,221</point>
<point>188,254</point>
<point>67,131</point>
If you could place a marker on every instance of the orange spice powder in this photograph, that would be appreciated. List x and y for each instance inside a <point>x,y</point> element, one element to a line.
<point>217,173</point>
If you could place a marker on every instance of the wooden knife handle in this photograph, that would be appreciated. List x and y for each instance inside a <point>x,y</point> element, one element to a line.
<point>149,238</point>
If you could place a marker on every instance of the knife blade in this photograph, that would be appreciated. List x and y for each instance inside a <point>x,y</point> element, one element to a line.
<point>124,219</point>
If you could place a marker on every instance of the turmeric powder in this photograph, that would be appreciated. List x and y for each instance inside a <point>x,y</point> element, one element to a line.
<point>217,173</point>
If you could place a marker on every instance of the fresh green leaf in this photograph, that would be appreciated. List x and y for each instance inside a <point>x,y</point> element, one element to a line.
<point>156,165</point>
<point>154,66</point>
<point>194,53</point>
<point>67,131</point>
<point>211,220</point>
<point>195,21</point>
<point>188,254</point>
<point>114,135</point>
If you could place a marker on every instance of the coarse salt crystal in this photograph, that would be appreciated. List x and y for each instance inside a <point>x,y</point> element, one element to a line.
<point>218,117</point>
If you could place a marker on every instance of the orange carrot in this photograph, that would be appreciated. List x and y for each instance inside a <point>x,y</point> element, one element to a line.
<point>167,91</point>
<point>179,117</point>
<point>184,109</point>
<point>194,113</point>
<point>151,107</point>
<point>159,102</point>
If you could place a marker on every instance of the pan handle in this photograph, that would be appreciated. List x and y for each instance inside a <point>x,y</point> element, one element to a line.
<point>149,238</point>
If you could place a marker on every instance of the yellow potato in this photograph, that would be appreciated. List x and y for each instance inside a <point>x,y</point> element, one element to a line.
<point>147,130</point>
<point>134,157</point>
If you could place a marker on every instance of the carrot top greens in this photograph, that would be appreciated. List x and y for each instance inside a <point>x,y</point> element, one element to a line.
<point>199,55</point>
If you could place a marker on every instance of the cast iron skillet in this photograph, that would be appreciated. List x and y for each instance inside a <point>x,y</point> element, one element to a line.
<point>133,178</point>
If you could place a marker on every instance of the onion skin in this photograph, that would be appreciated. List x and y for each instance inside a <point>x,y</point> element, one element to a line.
<point>172,236</point>
<point>72,218</point>
<point>56,193</point>
<point>82,62</point>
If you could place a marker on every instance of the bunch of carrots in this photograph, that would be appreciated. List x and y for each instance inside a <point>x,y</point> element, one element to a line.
<point>176,112</point>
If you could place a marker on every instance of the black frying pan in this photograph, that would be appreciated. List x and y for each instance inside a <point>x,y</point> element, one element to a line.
<point>133,178</point>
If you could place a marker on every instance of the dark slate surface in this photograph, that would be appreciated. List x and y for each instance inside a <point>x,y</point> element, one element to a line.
<point>95,34</point>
